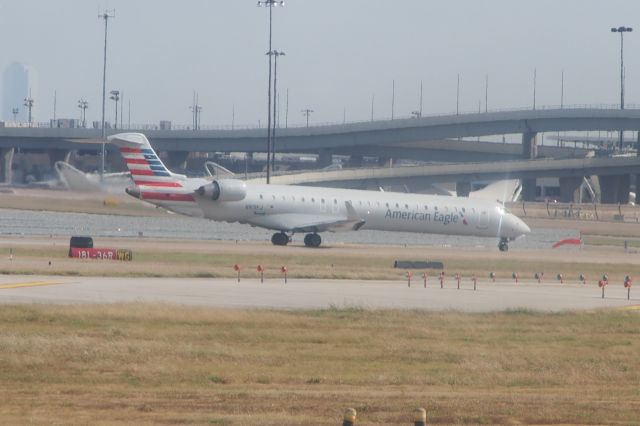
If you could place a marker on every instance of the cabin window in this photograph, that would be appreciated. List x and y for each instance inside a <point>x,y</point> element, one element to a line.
<point>284,198</point>
<point>322,201</point>
<point>463,210</point>
<point>426,207</point>
<point>359,203</point>
<point>406,206</point>
<point>261,197</point>
<point>274,197</point>
<point>397,206</point>
<point>335,201</point>
<point>302,199</point>
<point>435,208</point>
<point>387,204</point>
<point>313,200</point>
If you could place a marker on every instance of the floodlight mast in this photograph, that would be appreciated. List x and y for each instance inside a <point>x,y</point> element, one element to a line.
<point>621,30</point>
<point>106,15</point>
<point>270,4</point>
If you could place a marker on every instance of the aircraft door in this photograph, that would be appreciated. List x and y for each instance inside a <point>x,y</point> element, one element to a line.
<point>334,206</point>
<point>483,220</point>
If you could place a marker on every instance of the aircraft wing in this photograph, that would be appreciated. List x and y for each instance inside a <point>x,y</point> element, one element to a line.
<point>299,222</point>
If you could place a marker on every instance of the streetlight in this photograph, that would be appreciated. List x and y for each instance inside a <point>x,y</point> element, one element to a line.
<point>270,4</point>
<point>28,102</point>
<point>115,95</point>
<point>83,105</point>
<point>275,55</point>
<point>621,30</point>
<point>106,16</point>
<point>307,112</point>
<point>196,110</point>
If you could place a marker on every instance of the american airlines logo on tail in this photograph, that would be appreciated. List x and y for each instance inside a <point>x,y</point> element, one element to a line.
<point>146,168</point>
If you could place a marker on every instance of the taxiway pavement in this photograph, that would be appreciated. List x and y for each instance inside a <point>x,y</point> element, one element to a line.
<point>313,294</point>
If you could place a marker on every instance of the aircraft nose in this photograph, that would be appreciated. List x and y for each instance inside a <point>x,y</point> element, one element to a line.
<point>518,225</point>
<point>524,228</point>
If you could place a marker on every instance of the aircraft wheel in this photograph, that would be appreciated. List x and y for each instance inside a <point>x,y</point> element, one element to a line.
<point>312,240</point>
<point>280,239</point>
<point>503,245</point>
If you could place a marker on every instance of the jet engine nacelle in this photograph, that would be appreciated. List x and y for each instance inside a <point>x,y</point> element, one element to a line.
<point>224,190</point>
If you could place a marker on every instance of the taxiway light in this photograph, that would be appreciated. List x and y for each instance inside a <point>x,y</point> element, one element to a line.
<point>261,270</point>
<point>515,276</point>
<point>424,275</point>
<point>284,270</point>
<point>350,415</point>
<point>559,277</point>
<point>492,275</point>
<point>420,417</point>
<point>409,275</point>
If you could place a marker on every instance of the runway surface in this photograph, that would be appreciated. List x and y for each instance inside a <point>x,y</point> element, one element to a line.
<point>313,294</point>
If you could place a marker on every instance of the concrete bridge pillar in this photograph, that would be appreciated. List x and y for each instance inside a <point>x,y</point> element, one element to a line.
<point>356,161</point>
<point>385,161</point>
<point>463,188</point>
<point>6,158</point>
<point>325,158</point>
<point>529,151</point>
<point>177,160</point>
<point>571,189</point>
<point>614,189</point>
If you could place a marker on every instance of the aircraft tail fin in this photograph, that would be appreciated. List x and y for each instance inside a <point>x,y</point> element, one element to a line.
<point>142,161</point>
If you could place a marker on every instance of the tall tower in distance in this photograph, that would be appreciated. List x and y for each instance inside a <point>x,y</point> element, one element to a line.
<point>19,81</point>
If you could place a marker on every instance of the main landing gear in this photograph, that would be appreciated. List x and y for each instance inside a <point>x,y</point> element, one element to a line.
<point>280,239</point>
<point>312,240</point>
<point>503,245</point>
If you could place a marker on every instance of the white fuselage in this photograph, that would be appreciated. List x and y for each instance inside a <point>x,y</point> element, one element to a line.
<point>386,211</point>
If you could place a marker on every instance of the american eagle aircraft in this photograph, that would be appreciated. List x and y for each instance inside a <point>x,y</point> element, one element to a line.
<point>291,209</point>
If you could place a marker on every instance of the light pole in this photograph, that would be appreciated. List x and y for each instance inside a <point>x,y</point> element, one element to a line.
<point>196,109</point>
<point>621,30</point>
<point>106,16</point>
<point>83,105</point>
<point>270,4</point>
<point>307,112</point>
<point>115,95</point>
<point>28,102</point>
<point>275,55</point>
<point>15,112</point>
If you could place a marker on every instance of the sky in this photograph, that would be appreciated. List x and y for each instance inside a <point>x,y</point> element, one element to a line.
<point>340,54</point>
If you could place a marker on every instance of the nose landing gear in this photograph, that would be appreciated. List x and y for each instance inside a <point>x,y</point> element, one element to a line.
<point>503,245</point>
<point>312,240</point>
<point>280,239</point>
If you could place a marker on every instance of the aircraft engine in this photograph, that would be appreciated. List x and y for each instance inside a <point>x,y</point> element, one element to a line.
<point>224,190</point>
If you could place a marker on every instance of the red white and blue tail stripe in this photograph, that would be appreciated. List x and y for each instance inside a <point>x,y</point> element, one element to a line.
<point>154,182</point>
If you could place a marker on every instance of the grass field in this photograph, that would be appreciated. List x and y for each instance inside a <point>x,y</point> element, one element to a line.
<point>157,258</point>
<point>144,364</point>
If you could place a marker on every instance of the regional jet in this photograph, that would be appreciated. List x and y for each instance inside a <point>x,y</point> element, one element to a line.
<point>292,209</point>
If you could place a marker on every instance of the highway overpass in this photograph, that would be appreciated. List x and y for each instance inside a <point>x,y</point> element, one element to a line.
<point>412,137</point>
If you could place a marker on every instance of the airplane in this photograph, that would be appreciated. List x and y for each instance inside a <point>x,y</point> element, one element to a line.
<point>293,209</point>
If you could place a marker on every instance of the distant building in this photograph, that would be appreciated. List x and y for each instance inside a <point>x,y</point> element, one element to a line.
<point>18,82</point>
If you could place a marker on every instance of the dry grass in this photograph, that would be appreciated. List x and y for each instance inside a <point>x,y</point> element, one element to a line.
<point>162,258</point>
<point>143,364</point>
<point>77,202</point>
